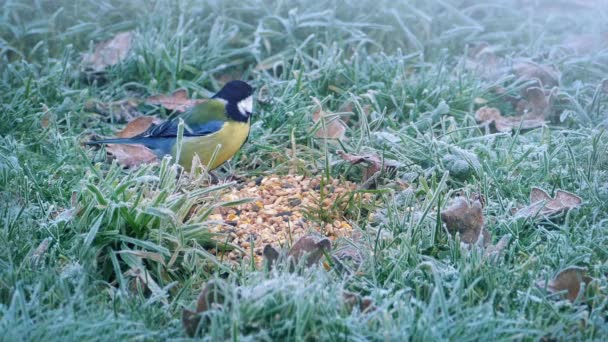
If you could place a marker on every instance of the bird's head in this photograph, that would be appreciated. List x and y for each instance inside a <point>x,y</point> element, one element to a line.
<point>239,99</point>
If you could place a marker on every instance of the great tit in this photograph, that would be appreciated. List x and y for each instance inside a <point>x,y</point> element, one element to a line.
<point>220,121</point>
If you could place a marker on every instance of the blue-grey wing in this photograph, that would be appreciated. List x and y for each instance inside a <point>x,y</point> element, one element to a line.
<point>168,129</point>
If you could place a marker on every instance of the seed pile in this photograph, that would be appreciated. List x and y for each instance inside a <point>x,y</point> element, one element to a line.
<point>284,208</point>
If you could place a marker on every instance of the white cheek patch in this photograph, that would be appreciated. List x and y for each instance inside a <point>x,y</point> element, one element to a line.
<point>246,106</point>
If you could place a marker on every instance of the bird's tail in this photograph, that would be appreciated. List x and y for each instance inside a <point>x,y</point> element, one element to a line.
<point>114,141</point>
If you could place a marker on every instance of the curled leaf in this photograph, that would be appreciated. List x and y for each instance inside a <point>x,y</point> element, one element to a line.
<point>373,162</point>
<point>40,251</point>
<point>331,126</point>
<point>109,52</point>
<point>492,118</point>
<point>213,295</point>
<point>466,219</point>
<point>545,76</point>
<point>482,60</point>
<point>568,282</point>
<point>312,247</point>
<point>354,300</point>
<point>178,100</point>
<point>493,251</point>
<point>271,255</point>
<point>541,203</point>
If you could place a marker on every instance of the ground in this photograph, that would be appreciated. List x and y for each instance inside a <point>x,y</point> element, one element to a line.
<point>473,105</point>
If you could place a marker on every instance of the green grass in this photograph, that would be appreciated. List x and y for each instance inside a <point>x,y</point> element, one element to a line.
<point>405,63</point>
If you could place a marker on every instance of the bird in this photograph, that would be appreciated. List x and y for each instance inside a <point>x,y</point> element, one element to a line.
<point>222,123</point>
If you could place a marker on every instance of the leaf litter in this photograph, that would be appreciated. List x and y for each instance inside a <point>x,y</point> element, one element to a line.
<point>178,101</point>
<point>212,296</point>
<point>492,119</point>
<point>542,204</point>
<point>109,53</point>
<point>373,163</point>
<point>133,155</point>
<point>534,103</point>
<point>567,282</point>
<point>310,247</point>
<point>465,218</point>
<point>331,126</point>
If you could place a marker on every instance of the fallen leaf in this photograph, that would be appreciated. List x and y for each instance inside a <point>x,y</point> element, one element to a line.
<point>331,126</point>
<point>482,60</point>
<point>271,255</point>
<point>138,126</point>
<point>213,295</point>
<point>47,117</point>
<point>354,300</point>
<point>133,155</point>
<point>493,251</point>
<point>40,251</point>
<point>569,281</point>
<point>109,52</point>
<point>374,163</point>
<point>263,95</point>
<point>178,100</point>
<point>541,204</point>
<point>467,220</point>
<point>313,247</point>
<point>493,119</point>
<point>545,76</point>
<point>118,111</point>
<point>538,103</point>
<point>141,278</point>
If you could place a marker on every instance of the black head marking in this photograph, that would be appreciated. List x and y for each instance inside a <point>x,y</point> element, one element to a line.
<point>233,93</point>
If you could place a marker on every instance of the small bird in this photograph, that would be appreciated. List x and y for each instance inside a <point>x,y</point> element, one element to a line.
<point>223,121</point>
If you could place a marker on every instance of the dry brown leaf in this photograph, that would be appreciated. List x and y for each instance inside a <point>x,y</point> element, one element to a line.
<point>349,107</point>
<point>109,52</point>
<point>354,300</point>
<point>568,281</point>
<point>47,116</point>
<point>311,246</point>
<point>133,155</point>
<point>271,255</point>
<point>178,100</point>
<point>537,103</point>
<point>213,295</point>
<point>374,163</point>
<point>467,220</point>
<point>141,279</point>
<point>118,111</point>
<point>541,204</point>
<point>492,118</point>
<point>40,251</point>
<point>493,251</point>
<point>331,126</point>
<point>483,61</point>
<point>546,76</point>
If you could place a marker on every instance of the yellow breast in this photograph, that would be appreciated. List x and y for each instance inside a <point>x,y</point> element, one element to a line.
<point>227,140</point>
